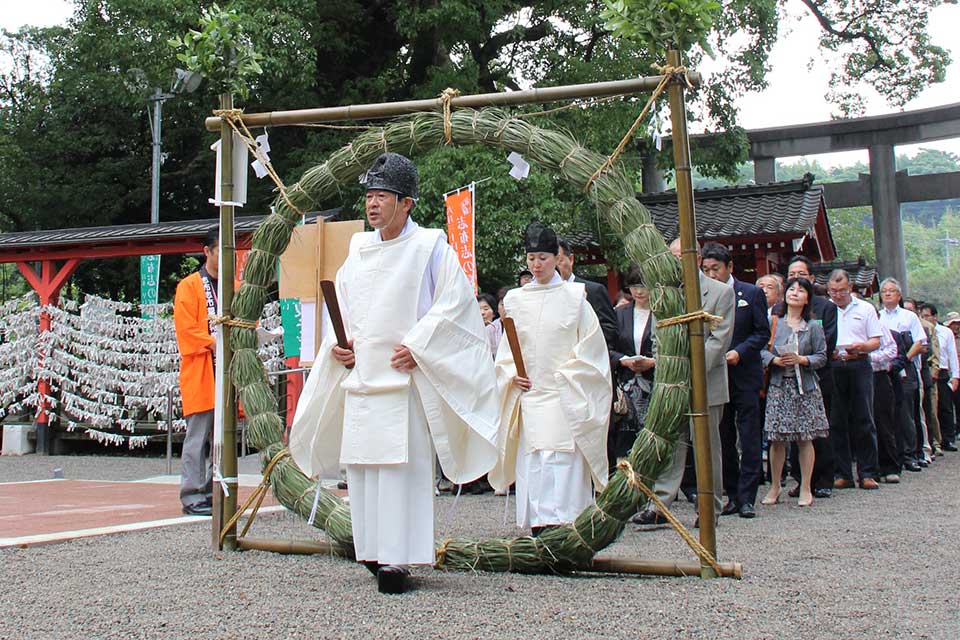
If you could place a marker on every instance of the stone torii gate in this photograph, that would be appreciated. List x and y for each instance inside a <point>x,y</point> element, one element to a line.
<point>883,188</point>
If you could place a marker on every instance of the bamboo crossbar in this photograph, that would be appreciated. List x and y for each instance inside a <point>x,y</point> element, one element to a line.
<point>392,109</point>
<point>601,564</point>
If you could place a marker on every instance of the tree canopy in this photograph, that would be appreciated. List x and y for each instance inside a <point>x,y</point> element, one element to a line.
<point>75,138</point>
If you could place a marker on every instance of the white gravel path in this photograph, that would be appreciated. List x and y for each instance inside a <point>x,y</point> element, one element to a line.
<point>860,565</point>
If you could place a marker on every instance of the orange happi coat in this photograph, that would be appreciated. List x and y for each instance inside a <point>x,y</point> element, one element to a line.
<point>194,341</point>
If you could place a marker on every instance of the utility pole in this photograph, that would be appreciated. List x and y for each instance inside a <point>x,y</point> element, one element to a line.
<point>947,243</point>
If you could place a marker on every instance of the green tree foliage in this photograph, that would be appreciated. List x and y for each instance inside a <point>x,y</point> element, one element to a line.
<point>75,139</point>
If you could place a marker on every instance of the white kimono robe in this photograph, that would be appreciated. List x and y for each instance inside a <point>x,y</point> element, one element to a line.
<point>381,422</point>
<point>553,438</point>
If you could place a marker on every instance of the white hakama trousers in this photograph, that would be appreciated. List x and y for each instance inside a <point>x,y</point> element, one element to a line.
<point>553,487</point>
<point>391,505</point>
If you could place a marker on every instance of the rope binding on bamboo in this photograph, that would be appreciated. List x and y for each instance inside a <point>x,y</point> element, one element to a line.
<point>446,96</point>
<point>232,322</point>
<point>634,480</point>
<point>687,318</point>
<point>258,495</point>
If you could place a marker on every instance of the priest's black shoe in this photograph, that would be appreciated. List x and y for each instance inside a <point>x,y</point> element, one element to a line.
<point>730,508</point>
<point>746,510</point>
<point>949,446</point>
<point>198,509</point>
<point>912,466</point>
<point>392,579</point>
<point>923,463</point>
<point>649,517</point>
<point>822,492</point>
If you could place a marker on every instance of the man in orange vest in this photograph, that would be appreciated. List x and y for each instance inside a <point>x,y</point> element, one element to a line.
<point>195,302</point>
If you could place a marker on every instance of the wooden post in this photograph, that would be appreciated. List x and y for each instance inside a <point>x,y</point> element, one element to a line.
<point>47,284</point>
<point>691,293</point>
<point>227,399</point>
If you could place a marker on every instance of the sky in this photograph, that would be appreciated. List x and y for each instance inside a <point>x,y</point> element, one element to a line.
<point>795,94</point>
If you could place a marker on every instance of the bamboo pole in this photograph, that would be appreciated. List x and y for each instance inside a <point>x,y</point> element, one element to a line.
<point>300,547</point>
<point>661,567</point>
<point>691,293</point>
<point>391,109</point>
<point>227,398</point>
<point>600,564</point>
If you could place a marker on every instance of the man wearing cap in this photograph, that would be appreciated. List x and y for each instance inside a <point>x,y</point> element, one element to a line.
<point>415,377</point>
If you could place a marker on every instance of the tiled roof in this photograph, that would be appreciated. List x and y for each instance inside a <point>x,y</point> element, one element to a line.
<point>777,209</point>
<point>862,276</point>
<point>129,232</point>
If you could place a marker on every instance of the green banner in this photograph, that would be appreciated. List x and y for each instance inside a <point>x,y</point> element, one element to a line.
<point>290,318</point>
<point>149,281</point>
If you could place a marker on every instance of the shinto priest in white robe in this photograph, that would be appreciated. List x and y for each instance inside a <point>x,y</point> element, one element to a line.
<point>553,438</point>
<point>383,424</point>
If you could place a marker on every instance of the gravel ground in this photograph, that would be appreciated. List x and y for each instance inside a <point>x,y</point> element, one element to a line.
<point>859,565</point>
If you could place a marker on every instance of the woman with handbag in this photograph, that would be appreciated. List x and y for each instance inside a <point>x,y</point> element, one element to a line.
<point>794,410</point>
<point>634,359</point>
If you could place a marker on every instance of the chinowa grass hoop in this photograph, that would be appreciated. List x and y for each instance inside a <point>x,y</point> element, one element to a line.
<point>561,549</point>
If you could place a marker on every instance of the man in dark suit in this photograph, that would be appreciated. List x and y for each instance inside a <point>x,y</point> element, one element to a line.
<point>823,311</point>
<point>597,294</point>
<point>741,416</point>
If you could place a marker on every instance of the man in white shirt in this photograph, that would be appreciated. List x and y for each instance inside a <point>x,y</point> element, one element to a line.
<point>948,378</point>
<point>896,318</point>
<point>852,429</point>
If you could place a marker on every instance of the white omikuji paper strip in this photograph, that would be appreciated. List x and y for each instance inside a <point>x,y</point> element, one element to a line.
<point>107,371</point>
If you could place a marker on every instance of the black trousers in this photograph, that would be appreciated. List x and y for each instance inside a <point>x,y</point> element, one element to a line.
<point>743,466</point>
<point>907,400</point>
<point>852,430</point>
<point>824,466</point>
<point>885,418</point>
<point>948,425</point>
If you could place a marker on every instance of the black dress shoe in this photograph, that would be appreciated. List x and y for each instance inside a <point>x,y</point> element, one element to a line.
<point>199,509</point>
<point>912,466</point>
<point>392,579</point>
<point>649,517</point>
<point>822,492</point>
<point>730,508</point>
<point>923,463</point>
<point>690,495</point>
<point>795,492</point>
<point>949,446</point>
<point>747,511</point>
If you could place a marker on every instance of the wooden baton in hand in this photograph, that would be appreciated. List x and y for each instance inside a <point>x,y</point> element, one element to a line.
<point>511,330</point>
<point>329,290</point>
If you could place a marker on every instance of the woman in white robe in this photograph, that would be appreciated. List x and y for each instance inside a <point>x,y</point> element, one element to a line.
<point>553,423</point>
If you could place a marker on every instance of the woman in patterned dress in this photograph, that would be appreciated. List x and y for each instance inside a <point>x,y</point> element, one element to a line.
<point>795,410</point>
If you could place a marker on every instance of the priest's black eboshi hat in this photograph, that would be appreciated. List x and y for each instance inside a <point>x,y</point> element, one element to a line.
<point>393,172</point>
<point>539,238</point>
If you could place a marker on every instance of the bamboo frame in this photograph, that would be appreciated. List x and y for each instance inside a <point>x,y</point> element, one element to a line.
<point>691,294</point>
<point>227,399</point>
<point>690,278</point>
<point>392,109</point>
<point>601,564</point>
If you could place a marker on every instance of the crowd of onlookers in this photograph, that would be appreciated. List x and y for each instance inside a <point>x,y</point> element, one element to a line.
<point>823,386</point>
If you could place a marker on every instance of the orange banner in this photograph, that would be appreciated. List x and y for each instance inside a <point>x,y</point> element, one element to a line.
<point>240,264</point>
<point>460,230</point>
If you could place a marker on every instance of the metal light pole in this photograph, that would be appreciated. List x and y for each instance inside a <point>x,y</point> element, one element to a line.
<point>185,82</point>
